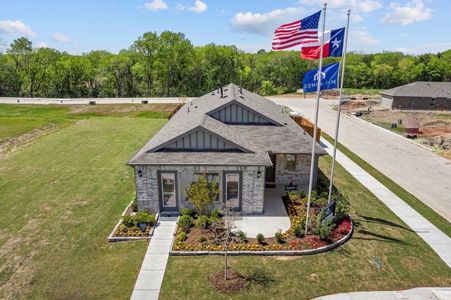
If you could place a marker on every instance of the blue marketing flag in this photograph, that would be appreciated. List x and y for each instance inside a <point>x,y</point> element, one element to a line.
<point>329,78</point>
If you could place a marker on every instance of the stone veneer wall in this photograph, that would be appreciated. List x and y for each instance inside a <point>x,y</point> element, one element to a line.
<point>298,175</point>
<point>148,195</point>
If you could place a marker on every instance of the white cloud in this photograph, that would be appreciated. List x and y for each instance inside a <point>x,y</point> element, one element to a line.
<point>426,48</point>
<point>413,11</point>
<point>2,47</point>
<point>362,36</point>
<point>264,24</point>
<point>198,7</point>
<point>60,38</point>
<point>356,18</point>
<point>361,6</point>
<point>156,5</point>
<point>42,45</point>
<point>16,27</point>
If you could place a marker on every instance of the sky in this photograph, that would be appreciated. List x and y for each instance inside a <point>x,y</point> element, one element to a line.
<point>410,26</point>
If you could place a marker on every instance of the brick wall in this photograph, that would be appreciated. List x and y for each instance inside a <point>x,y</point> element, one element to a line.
<point>148,195</point>
<point>298,175</point>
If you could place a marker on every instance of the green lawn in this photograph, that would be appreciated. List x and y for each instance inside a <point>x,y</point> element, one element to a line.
<point>18,119</point>
<point>60,198</point>
<point>383,254</point>
<point>407,197</point>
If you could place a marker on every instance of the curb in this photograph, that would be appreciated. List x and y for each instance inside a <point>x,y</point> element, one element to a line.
<point>267,252</point>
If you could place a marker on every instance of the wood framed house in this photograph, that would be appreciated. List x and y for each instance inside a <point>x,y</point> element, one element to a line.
<point>243,141</point>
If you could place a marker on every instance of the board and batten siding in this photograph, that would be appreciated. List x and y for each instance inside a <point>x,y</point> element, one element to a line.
<point>200,140</point>
<point>238,114</point>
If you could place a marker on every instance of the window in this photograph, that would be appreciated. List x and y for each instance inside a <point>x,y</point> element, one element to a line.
<point>232,190</point>
<point>168,190</point>
<point>290,162</point>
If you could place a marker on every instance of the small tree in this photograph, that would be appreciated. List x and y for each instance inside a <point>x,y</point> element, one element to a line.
<point>202,194</point>
<point>229,225</point>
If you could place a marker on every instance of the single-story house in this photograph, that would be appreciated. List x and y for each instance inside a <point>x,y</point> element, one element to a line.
<point>420,95</point>
<point>240,139</point>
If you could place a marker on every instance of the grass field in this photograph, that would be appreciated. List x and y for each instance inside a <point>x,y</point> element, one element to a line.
<point>16,120</point>
<point>61,195</point>
<point>407,197</point>
<point>383,254</point>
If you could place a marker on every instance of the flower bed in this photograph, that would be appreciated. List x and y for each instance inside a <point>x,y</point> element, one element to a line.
<point>201,233</point>
<point>133,225</point>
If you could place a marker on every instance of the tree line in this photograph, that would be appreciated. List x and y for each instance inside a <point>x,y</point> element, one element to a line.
<point>169,65</point>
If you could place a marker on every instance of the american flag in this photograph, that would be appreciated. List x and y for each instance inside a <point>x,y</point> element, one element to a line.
<point>295,33</point>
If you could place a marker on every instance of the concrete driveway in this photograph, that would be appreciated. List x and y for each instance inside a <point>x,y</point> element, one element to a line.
<point>418,170</point>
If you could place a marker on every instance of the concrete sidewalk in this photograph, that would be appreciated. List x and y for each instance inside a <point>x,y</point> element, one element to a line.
<point>417,294</point>
<point>151,275</point>
<point>437,240</point>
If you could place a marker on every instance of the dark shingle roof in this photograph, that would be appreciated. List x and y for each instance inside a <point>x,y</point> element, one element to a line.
<point>421,89</point>
<point>257,140</point>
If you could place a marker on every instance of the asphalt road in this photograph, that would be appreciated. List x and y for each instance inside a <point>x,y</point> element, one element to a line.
<point>418,170</point>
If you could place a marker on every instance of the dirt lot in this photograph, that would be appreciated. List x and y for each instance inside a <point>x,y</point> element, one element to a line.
<point>434,127</point>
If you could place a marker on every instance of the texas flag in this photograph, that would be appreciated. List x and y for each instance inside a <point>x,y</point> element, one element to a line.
<point>333,45</point>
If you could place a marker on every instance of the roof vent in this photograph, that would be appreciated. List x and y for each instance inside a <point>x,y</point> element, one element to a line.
<point>241,89</point>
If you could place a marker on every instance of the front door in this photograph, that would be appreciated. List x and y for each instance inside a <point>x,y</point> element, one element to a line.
<point>168,191</point>
<point>232,190</point>
<point>270,172</point>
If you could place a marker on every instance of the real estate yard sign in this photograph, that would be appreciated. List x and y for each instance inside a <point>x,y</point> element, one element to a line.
<point>329,212</point>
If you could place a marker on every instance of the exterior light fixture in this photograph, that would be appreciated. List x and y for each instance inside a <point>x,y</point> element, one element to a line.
<point>259,173</point>
<point>140,173</point>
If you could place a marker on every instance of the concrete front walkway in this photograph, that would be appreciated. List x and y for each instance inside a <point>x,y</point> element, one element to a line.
<point>150,277</point>
<point>436,239</point>
<point>417,294</point>
<point>275,216</point>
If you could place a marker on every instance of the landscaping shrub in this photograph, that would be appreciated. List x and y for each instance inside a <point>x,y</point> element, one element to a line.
<point>202,239</point>
<point>321,229</point>
<point>298,231</point>
<point>320,201</point>
<point>260,239</point>
<point>188,212</point>
<point>241,236</point>
<point>342,206</point>
<point>129,221</point>
<point>216,213</point>
<point>145,217</point>
<point>279,237</point>
<point>202,222</point>
<point>185,222</point>
<point>134,205</point>
<point>183,236</point>
<point>202,194</point>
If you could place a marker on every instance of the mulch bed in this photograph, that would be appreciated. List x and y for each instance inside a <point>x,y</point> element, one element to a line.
<point>234,283</point>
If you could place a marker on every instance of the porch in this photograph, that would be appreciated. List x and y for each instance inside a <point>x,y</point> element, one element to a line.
<point>274,218</point>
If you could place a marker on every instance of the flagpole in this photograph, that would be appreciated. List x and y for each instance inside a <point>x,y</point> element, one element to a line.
<point>315,128</point>
<point>343,64</point>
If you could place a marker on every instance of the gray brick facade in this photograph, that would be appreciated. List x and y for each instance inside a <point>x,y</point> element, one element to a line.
<point>147,186</point>
<point>298,175</point>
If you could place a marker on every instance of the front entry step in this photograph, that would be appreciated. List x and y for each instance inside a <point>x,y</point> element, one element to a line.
<point>169,214</point>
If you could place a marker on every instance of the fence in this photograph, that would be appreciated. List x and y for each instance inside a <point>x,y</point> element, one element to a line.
<point>307,126</point>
